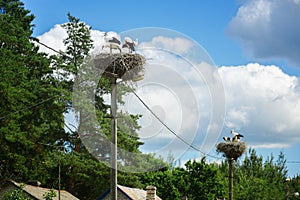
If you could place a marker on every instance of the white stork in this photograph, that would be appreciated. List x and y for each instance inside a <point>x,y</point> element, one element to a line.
<point>236,136</point>
<point>112,41</point>
<point>130,44</point>
<point>227,139</point>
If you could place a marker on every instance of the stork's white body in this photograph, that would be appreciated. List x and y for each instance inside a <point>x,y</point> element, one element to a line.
<point>129,44</point>
<point>112,41</point>
<point>236,136</point>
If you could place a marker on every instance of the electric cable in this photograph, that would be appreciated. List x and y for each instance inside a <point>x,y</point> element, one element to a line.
<point>35,40</point>
<point>168,128</point>
<point>29,107</point>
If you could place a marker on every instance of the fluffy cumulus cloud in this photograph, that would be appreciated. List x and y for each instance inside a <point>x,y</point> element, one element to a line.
<point>55,36</point>
<point>268,29</point>
<point>54,39</point>
<point>262,102</point>
<point>178,45</point>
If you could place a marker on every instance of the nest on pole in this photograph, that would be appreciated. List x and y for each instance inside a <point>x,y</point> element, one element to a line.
<point>122,65</point>
<point>231,150</point>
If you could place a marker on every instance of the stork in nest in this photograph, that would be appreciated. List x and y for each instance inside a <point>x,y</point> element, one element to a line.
<point>112,41</point>
<point>129,44</point>
<point>235,137</point>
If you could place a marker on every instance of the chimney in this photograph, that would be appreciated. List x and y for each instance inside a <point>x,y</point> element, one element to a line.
<point>150,193</point>
<point>34,183</point>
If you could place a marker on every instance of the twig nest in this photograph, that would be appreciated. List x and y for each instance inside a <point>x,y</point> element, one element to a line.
<point>231,150</point>
<point>125,65</point>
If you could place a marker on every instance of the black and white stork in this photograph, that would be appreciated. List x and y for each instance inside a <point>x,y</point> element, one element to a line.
<point>236,136</point>
<point>227,139</point>
<point>130,44</point>
<point>112,41</point>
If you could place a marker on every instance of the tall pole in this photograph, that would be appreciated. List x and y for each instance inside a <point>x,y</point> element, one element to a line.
<point>230,176</point>
<point>287,189</point>
<point>113,148</point>
<point>59,171</point>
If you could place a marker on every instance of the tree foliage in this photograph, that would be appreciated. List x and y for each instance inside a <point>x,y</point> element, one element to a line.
<point>17,194</point>
<point>198,180</point>
<point>256,178</point>
<point>30,106</point>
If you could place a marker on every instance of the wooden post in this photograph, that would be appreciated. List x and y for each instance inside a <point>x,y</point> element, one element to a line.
<point>286,189</point>
<point>230,176</point>
<point>113,149</point>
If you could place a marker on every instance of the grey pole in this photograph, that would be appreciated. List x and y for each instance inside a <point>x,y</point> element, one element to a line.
<point>230,161</point>
<point>59,171</point>
<point>113,148</point>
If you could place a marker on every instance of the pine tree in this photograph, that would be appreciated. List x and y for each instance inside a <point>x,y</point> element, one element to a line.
<point>31,110</point>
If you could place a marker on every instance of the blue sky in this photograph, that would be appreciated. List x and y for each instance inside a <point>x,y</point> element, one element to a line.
<point>255,45</point>
<point>204,21</point>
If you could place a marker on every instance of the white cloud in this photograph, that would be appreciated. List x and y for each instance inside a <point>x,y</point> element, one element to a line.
<point>54,39</point>
<point>178,45</point>
<point>268,29</point>
<point>262,102</point>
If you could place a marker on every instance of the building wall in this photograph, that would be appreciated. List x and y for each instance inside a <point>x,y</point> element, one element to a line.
<point>121,196</point>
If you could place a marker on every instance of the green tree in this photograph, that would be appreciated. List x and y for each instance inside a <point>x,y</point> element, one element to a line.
<point>17,194</point>
<point>49,195</point>
<point>256,178</point>
<point>67,64</point>
<point>31,110</point>
<point>78,43</point>
<point>205,180</point>
<point>199,180</point>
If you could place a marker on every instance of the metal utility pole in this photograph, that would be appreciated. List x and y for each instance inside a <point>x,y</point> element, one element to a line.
<point>287,188</point>
<point>113,148</point>
<point>230,176</point>
<point>59,172</point>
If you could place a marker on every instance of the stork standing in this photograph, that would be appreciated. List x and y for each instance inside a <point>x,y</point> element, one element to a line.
<point>236,136</point>
<point>227,139</point>
<point>130,44</point>
<point>111,41</point>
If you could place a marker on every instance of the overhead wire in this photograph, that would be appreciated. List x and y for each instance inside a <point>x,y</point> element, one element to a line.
<point>45,45</point>
<point>168,128</point>
<point>27,108</point>
<point>34,39</point>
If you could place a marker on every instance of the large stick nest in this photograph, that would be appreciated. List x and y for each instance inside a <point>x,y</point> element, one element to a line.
<point>231,150</point>
<point>125,65</point>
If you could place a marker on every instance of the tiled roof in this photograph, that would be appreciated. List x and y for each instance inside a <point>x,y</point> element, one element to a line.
<point>131,193</point>
<point>38,192</point>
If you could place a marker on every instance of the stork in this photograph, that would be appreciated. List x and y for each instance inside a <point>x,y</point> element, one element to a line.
<point>112,41</point>
<point>130,44</point>
<point>227,139</point>
<point>236,136</point>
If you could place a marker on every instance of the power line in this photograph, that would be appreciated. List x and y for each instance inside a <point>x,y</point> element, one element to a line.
<point>167,127</point>
<point>37,41</point>
<point>293,162</point>
<point>27,108</point>
<point>48,47</point>
<point>34,38</point>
